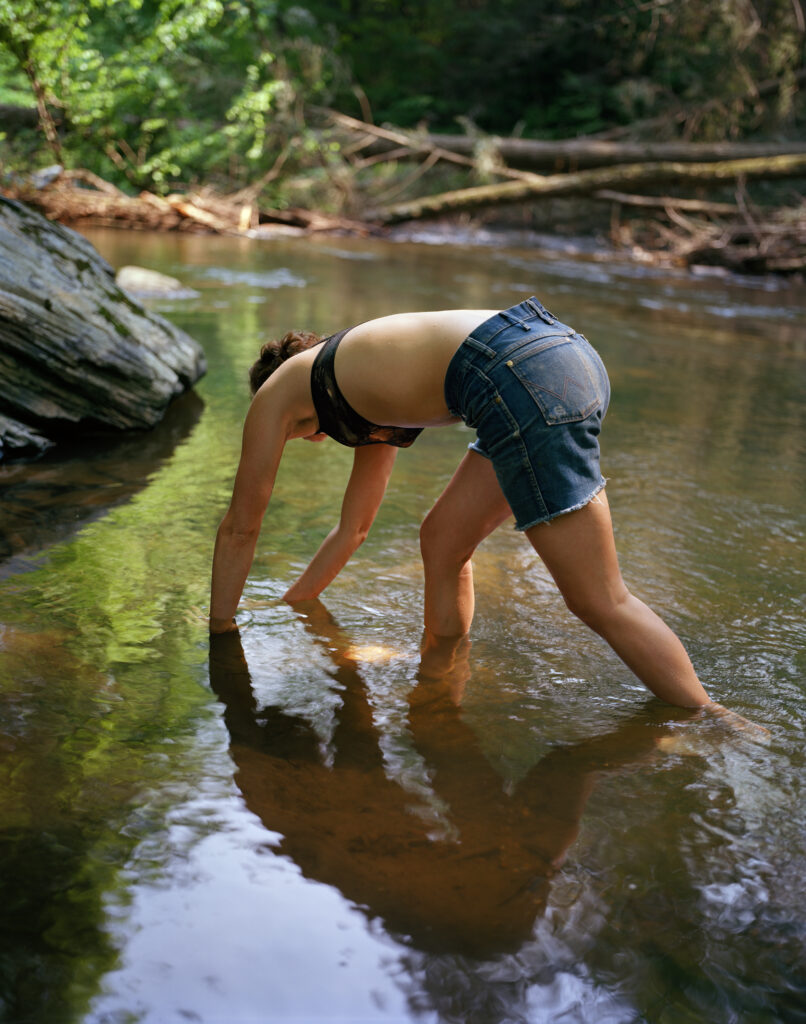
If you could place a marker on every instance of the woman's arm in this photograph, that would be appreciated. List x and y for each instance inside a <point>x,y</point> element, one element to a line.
<point>372,467</point>
<point>265,433</point>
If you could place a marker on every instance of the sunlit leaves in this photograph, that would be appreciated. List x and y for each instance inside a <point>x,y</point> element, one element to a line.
<point>164,91</point>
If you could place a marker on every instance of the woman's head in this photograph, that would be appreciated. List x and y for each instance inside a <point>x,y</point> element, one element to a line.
<point>274,353</point>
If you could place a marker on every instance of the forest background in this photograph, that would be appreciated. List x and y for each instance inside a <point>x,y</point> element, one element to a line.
<point>238,96</point>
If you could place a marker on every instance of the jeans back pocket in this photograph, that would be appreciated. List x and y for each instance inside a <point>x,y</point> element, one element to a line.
<point>565,377</point>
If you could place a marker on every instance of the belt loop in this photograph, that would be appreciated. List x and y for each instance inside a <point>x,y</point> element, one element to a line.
<point>540,310</point>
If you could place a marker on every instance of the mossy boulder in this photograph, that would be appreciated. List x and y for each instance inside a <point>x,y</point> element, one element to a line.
<point>77,353</point>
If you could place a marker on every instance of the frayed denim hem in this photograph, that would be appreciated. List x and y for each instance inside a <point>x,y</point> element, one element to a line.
<point>564,512</point>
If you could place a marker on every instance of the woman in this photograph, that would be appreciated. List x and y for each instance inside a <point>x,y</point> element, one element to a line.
<point>535,391</point>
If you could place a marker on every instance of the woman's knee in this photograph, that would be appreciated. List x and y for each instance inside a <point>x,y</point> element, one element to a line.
<point>440,543</point>
<point>596,608</point>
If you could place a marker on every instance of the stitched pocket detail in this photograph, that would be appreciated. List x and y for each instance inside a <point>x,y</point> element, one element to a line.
<point>561,378</point>
<point>488,413</point>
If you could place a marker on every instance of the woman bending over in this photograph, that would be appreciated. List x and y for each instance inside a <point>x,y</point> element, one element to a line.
<point>536,393</point>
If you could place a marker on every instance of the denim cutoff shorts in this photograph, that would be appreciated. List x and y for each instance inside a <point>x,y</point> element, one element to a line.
<point>536,393</point>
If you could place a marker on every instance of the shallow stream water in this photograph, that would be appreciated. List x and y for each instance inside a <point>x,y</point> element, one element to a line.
<point>309,823</point>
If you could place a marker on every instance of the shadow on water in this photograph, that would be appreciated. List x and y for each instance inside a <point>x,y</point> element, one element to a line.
<point>474,889</point>
<point>49,500</point>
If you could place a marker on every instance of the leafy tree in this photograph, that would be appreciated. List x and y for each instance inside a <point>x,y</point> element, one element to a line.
<point>159,90</point>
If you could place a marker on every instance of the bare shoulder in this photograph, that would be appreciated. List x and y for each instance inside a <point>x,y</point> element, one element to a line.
<point>286,395</point>
<point>291,379</point>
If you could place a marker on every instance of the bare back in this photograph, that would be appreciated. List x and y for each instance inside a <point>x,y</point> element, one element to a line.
<point>392,370</point>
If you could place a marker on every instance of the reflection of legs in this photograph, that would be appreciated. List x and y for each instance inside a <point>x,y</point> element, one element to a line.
<point>444,666</point>
<point>470,508</point>
<point>355,737</point>
<point>579,551</point>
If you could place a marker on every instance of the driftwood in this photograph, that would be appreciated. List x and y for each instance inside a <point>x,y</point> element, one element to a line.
<point>103,205</point>
<point>741,238</point>
<point>233,213</point>
<point>74,205</point>
<point>588,182</point>
<point>717,234</point>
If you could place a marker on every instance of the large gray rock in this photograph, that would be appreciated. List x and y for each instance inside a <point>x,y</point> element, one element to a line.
<point>77,352</point>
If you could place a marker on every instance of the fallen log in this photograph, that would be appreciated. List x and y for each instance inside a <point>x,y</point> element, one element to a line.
<point>665,202</point>
<point>231,214</point>
<point>74,205</point>
<point>518,154</point>
<point>543,154</point>
<point>195,213</point>
<point>312,220</point>
<point>586,182</point>
<point>385,144</point>
<point>105,205</point>
<point>409,140</point>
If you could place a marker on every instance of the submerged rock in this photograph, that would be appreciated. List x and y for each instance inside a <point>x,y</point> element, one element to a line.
<point>144,282</point>
<point>18,440</point>
<point>76,351</point>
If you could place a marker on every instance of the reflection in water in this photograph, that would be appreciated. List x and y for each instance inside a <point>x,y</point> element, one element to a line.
<point>474,890</point>
<point>78,751</point>
<point>48,873</point>
<point>48,500</point>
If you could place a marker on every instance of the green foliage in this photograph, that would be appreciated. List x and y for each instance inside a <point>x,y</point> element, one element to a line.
<point>156,93</point>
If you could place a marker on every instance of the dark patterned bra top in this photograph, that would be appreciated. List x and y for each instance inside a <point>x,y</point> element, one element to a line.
<point>337,418</point>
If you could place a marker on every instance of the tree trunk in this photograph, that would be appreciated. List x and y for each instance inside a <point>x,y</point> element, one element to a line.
<point>46,122</point>
<point>584,182</point>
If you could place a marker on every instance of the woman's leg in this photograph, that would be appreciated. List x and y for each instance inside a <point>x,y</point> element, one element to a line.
<point>468,510</point>
<point>579,551</point>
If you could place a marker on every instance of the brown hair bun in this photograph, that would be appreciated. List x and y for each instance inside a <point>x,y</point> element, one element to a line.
<point>275,353</point>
